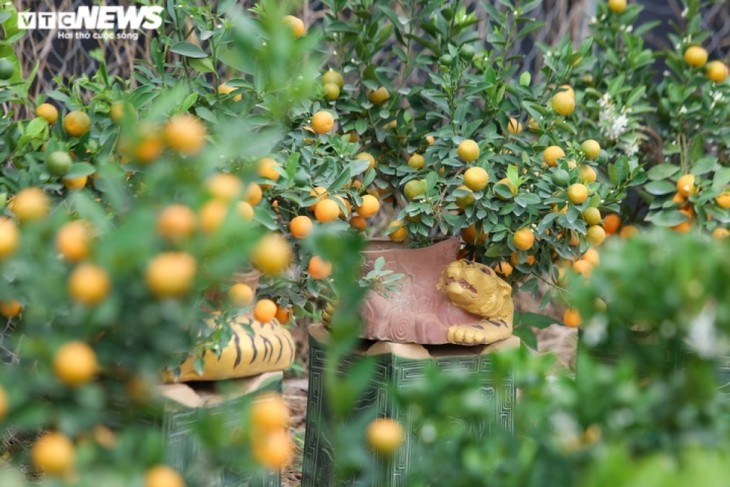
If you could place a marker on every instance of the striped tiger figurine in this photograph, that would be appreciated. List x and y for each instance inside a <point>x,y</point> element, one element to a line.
<point>254,348</point>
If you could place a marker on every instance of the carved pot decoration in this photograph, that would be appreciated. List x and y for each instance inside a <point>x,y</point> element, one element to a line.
<point>254,347</point>
<point>438,300</point>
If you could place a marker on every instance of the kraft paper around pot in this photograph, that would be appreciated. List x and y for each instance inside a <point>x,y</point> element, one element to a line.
<point>417,312</point>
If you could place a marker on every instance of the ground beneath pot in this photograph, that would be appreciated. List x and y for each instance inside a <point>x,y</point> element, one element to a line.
<point>555,339</point>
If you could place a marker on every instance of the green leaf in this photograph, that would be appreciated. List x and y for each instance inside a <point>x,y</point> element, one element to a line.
<point>202,65</point>
<point>662,171</point>
<point>188,50</point>
<point>80,169</point>
<point>658,188</point>
<point>704,165</point>
<point>667,218</point>
<point>527,336</point>
<point>533,319</point>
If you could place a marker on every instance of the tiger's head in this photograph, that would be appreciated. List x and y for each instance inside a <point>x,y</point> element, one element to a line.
<point>476,288</point>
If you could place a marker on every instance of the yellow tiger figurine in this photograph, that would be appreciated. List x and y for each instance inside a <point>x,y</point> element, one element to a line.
<point>253,349</point>
<point>476,289</point>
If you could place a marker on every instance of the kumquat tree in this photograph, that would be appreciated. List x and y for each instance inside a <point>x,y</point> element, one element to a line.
<point>357,242</point>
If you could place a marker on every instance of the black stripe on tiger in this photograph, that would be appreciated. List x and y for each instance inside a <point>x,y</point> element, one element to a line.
<point>253,346</point>
<point>281,347</point>
<point>237,339</point>
<point>268,348</point>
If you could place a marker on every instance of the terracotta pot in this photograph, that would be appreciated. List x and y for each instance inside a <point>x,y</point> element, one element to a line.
<point>417,312</point>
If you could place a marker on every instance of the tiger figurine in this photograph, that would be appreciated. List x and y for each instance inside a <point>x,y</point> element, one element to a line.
<point>254,348</point>
<point>476,289</point>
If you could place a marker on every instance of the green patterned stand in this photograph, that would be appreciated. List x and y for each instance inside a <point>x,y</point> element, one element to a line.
<point>183,406</point>
<point>402,366</point>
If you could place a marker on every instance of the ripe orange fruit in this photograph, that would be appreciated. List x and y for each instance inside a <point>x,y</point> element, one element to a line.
<point>320,193</point>
<point>723,199</point>
<point>369,207</point>
<point>118,109</point>
<point>592,257</point>
<point>331,91</point>
<point>365,156</point>
<point>686,225</point>
<point>504,268</point>
<point>717,71</point>
<point>592,216</point>
<point>686,185</point>
<point>75,364</point>
<point>89,284</point>
<point>10,309</point>
<point>385,436</point>
<point>240,294</point>
<point>695,56</point>
<point>185,134</point>
<point>468,150</point>
<point>582,267</point>
<point>327,211</point>
<point>470,235</point>
<point>571,318</point>
<point>224,89</point>
<point>357,222</point>
<point>253,194</point>
<point>595,235</point>
<point>300,226</point>
<point>587,174</point>
<point>212,215</point>
<point>514,127</point>
<point>552,154</point>
<point>163,476</point>
<point>72,240</point>
<point>274,450</point>
<point>400,233</point>
<point>322,122</point>
<point>30,204</point>
<point>171,274</point>
<point>264,311</point>
<point>466,200</point>
<point>47,112</point>
<point>476,178</point>
<point>515,259</point>
<point>628,231</point>
<point>75,183</point>
<point>617,6</point>
<point>149,147</point>
<point>379,96</point>
<point>524,239</point>
<point>282,314</point>
<point>9,237</point>
<point>176,222</point>
<point>245,210</point>
<point>718,234</point>
<point>267,169</point>
<point>296,25</point>
<point>53,454</point>
<point>577,193</point>
<point>272,254</point>
<point>563,103</point>
<point>591,149</point>
<point>76,123</point>
<point>611,223</point>
<point>333,77</point>
<point>224,186</point>
<point>269,412</point>
<point>416,161</point>
<point>319,268</point>
<point>567,89</point>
